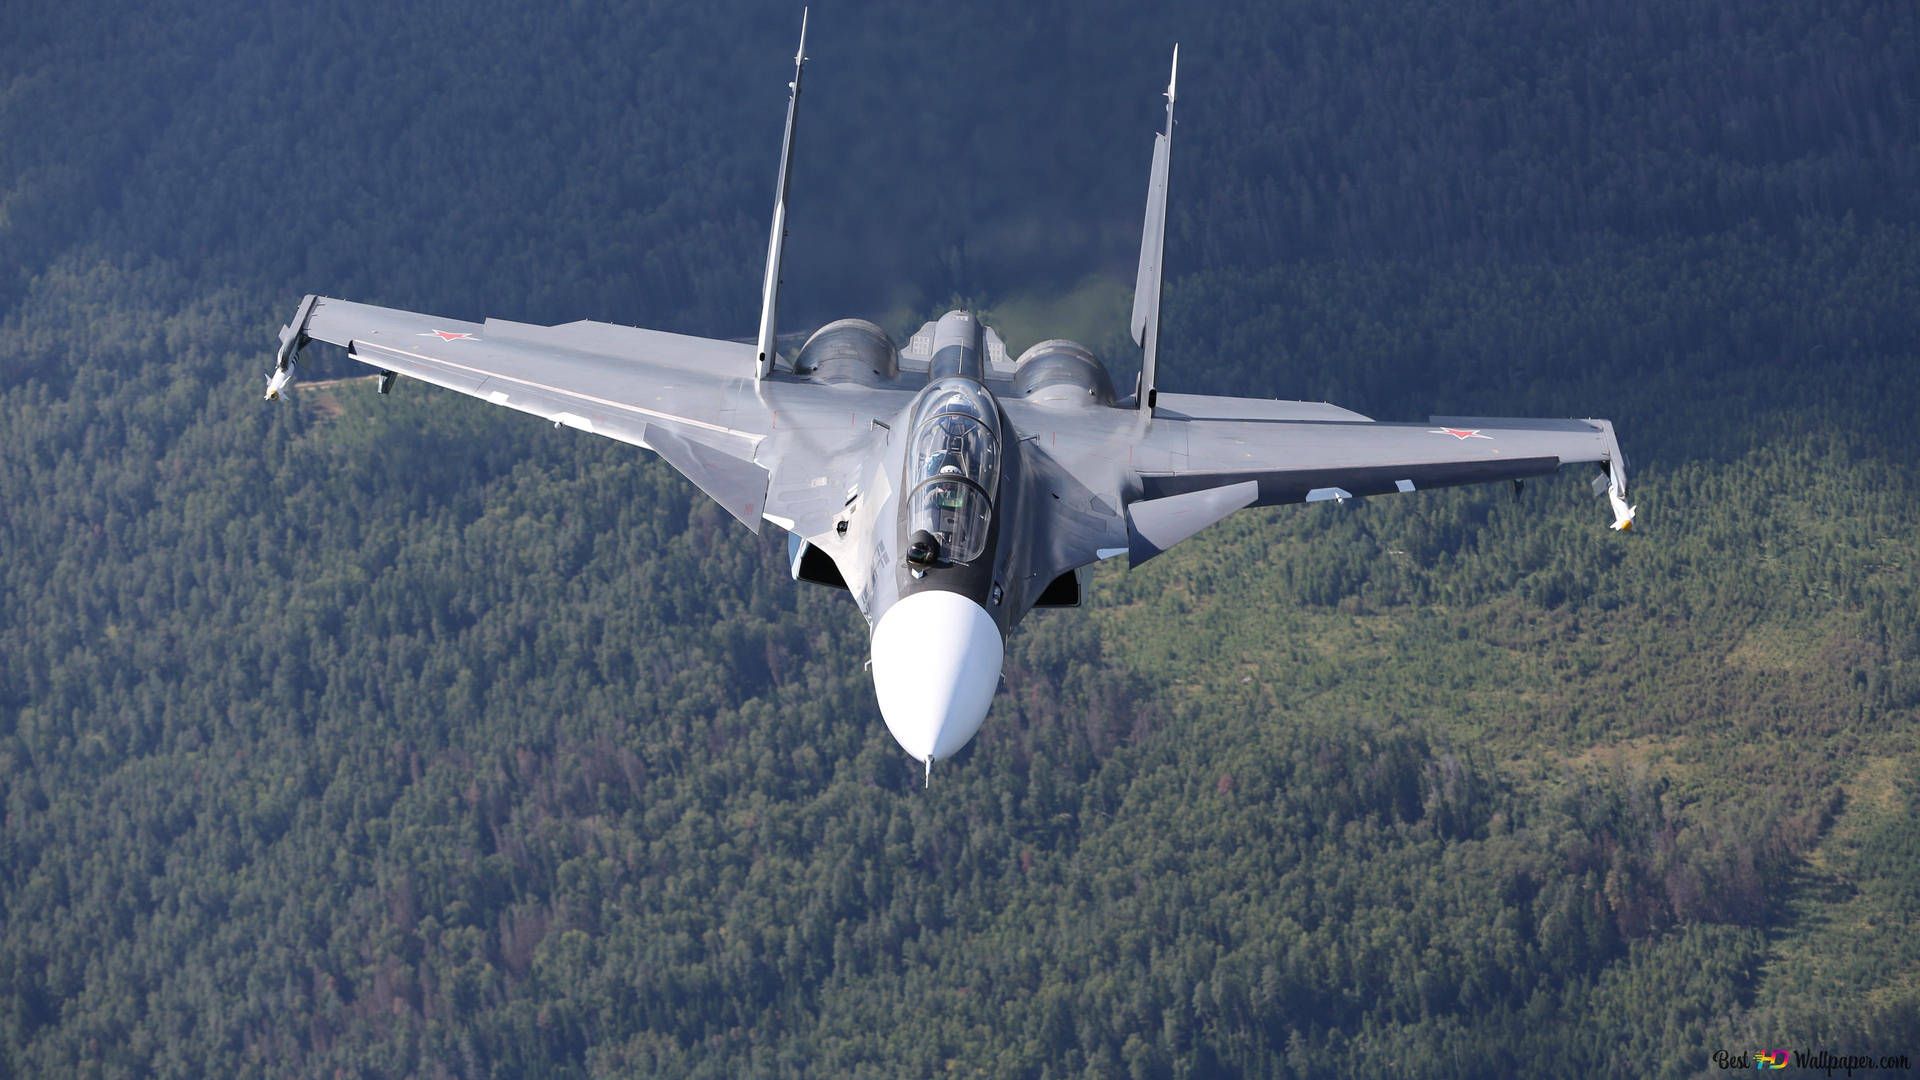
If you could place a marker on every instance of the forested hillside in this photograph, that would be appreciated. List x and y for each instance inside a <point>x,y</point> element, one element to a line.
<point>406,736</point>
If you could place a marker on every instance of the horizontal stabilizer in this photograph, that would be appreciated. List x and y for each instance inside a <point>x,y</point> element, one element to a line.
<point>1154,525</point>
<point>738,485</point>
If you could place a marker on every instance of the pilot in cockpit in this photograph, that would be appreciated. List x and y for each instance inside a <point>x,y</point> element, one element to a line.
<point>955,457</point>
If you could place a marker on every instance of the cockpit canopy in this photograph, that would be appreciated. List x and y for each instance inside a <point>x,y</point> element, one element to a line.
<point>953,465</point>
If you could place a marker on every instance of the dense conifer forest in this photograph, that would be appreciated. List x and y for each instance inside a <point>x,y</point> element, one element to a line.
<point>362,736</point>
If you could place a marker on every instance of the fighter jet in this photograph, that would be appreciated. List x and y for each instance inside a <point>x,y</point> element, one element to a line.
<point>948,488</point>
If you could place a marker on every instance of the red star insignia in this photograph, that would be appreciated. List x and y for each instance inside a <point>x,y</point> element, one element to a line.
<point>445,335</point>
<point>1459,433</point>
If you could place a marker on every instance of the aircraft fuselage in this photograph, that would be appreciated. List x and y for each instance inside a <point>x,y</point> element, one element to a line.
<point>945,563</point>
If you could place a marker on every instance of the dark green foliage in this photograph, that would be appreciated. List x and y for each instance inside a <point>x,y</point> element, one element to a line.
<point>406,736</point>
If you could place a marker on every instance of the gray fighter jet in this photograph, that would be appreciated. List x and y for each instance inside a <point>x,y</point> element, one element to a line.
<point>949,488</point>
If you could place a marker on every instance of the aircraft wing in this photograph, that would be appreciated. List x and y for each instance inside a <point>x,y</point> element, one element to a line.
<point>1308,460</point>
<point>759,448</point>
<point>1207,457</point>
<point>1201,458</point>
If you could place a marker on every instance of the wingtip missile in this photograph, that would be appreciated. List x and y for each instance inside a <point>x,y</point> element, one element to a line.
<point>292,337</point>
<point>277,380</point>
<point>1622,513</point>
<point>1612,483</point>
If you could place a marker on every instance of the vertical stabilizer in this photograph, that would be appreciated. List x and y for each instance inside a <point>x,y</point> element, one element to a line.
<point>1153,245</point>
<point>770,286</point>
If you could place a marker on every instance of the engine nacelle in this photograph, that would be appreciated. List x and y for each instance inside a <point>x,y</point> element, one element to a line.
<point>849,351</point>
<point>1062,374</point>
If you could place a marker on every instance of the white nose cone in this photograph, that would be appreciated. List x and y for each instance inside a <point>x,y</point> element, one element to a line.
<point>936,665</point>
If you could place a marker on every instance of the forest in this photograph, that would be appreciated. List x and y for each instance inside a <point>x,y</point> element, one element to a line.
<point>404,736</point>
